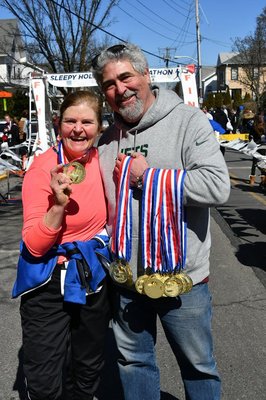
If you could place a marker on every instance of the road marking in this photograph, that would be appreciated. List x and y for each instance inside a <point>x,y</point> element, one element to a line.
<point>9,251</point>
<point>255,195</point>
<point>239,168</point>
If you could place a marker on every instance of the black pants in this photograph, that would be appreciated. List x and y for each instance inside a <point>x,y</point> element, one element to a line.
<point>53,329</point>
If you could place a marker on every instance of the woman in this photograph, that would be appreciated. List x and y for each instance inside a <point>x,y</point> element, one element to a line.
<point>64,301</point>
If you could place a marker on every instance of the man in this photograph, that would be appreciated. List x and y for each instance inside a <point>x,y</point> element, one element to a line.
<point>161,132</point>
<point>12,130</point>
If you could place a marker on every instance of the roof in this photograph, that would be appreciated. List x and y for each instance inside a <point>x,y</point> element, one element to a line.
<point>228,58</point>
<point>207,72</point>
<point>9,35</point>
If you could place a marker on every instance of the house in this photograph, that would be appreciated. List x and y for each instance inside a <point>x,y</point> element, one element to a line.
<point>13,74</point>
<point>231,74</point>
<point>208,80</point>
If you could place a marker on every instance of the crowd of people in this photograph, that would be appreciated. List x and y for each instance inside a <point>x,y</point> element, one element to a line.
<point>15,130</point>
<point>242,120</point>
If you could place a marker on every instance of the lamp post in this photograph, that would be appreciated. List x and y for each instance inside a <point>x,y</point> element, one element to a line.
<point>191,58</point>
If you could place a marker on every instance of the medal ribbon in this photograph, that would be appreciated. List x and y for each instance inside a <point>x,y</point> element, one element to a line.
<point>170,236</point>
<point>157,217</point>
<point>163,227</point>
<point>122,230</point>
<point>62,158</point>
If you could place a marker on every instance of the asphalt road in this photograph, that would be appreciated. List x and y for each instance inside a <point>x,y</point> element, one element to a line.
<point>238,280</point>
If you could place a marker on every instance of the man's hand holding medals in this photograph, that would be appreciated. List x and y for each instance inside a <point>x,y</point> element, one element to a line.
<point>163,230</point>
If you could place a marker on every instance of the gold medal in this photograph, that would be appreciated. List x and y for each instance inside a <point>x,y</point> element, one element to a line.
<point>120,272</point>
<point>75,171</point>
<point>187,282</point>
<point>173,286</point>
<point>153,286</point>
<point>139,284</point>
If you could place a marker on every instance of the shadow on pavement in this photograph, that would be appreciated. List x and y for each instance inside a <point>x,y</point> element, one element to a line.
<point>252,255</point>
<point>167,396</point>
<point>248,226</point>
<point>249,188</point>
<point>19,384</point>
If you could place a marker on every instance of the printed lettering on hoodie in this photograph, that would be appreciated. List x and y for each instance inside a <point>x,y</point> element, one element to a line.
<point>143,149</point>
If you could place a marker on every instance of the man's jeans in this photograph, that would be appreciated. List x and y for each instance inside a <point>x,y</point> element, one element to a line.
<point>186,321</point>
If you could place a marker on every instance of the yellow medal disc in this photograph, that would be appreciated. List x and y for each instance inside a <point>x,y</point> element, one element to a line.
<point>187,282</point>
<point>75,171</point>
<point>153,286</point>
<point>139,284</point>
<point>173,286</point>
<point>120,272</point>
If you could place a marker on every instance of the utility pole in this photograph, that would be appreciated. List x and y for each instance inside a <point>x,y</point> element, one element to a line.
<point>198,51</point>
<point>167,55</point>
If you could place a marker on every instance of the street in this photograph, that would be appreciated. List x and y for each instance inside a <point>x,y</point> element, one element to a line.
<point>237,281</point>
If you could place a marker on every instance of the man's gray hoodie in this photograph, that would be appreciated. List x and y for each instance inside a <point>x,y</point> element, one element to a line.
<point>171,135</point>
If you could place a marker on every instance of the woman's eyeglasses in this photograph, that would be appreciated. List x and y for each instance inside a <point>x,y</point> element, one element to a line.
<point>116,49</point>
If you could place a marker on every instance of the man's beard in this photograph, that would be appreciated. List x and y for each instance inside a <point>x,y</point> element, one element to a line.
<point>134,112</point>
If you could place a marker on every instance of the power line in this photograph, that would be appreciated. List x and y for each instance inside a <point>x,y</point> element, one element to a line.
<point>163,19</point>
<point>151,19</point>
<point>141,23</point>
<point>105,31</point>
<point>173,8</point>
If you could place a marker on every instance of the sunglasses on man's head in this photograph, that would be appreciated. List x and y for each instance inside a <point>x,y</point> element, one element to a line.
<point>116,49</point>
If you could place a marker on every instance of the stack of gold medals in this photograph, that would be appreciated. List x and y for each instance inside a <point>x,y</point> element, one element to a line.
<point>163,285</point>
<point>163,234</point>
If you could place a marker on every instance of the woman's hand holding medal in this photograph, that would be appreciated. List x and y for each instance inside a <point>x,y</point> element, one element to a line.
<point>60,185</point>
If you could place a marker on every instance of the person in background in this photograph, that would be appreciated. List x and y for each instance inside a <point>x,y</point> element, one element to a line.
<point>233,119</point>
<point>157,131</point>
<point>12,131</point>
<point>239,114</point>
<point>23,126</point>
<point>55,120</point>
<point>61,282</point>
<point>207,113</point>
<point>220,117</point>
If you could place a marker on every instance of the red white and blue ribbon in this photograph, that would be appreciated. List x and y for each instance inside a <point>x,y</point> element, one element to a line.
<point>163,220</point>
<point>62,158</point>
<point>122,231</point>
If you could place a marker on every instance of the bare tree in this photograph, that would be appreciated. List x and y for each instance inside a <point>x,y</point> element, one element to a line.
<point>61,34</point>
<point>252,58</point>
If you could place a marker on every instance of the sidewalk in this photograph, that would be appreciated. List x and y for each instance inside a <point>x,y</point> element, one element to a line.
<point>244,215</point>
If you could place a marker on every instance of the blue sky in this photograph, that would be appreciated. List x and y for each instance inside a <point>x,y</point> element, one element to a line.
<point>169,27</point>
<point>170,24</point>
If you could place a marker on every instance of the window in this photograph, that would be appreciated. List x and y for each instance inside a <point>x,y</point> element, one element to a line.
<point>236,94</point>
<point>234,73</point>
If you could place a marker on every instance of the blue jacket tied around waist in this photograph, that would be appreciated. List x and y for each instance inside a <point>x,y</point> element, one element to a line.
<point>84,270</point>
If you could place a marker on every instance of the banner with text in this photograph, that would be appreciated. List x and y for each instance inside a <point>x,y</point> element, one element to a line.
<point>81,79</point>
